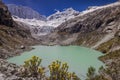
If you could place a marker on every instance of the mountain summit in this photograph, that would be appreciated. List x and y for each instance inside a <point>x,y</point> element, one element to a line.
<point>69,12</point>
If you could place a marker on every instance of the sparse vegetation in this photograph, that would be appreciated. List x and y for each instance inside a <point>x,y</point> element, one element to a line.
<point>32,67</point>
<point>58,70</point>
<point>89,39</point>
<point>107,46</point>
<point>101,75</point>
<point>111,55</point>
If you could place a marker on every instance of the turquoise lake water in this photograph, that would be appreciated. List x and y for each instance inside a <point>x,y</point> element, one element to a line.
<point>78,58</point>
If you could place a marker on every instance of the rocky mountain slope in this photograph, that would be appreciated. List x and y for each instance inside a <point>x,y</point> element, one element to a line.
<point>12,35</point>
<point>90,28</point>
<point>25,12</point>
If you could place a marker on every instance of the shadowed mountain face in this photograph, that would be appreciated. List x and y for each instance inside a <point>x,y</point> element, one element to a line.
<point>25,12</point>
<point>5,16</point>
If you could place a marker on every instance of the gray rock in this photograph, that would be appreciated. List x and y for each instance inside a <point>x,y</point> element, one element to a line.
<point>2,76</point>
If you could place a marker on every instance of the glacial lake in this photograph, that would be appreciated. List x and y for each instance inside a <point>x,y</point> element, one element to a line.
<point>78,58</point>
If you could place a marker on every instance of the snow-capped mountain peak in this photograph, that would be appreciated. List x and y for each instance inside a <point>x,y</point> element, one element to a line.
<point>38,24</point>
<point>66,13</point>
<point>61,16</point>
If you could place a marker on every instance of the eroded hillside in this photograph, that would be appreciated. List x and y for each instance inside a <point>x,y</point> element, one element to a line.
<point>12,36</point>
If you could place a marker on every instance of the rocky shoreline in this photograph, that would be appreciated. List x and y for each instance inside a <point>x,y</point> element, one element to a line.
<point>10,71</point>
<point>4,54</point>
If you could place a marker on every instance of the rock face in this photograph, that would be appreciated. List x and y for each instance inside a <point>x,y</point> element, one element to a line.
<point>25,12</point>
<point>12,35</point>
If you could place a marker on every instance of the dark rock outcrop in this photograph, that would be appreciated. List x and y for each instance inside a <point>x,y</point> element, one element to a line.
<point>5,16</point>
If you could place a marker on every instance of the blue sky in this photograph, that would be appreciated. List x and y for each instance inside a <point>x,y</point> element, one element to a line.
<point>47,7</point>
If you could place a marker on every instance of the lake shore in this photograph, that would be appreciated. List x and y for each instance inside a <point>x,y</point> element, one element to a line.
<point>13,68</point>
<point>77,57</point>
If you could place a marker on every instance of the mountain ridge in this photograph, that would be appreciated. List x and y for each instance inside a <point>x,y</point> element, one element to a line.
<point>40,27</point>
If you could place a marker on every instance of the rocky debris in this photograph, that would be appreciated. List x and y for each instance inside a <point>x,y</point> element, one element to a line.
<point>7,69</point>
<point>113,65</point>
<point>10,71</point>
<point>2,76</point>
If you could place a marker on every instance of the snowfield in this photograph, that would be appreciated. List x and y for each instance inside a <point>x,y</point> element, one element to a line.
<point>42,27</point>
